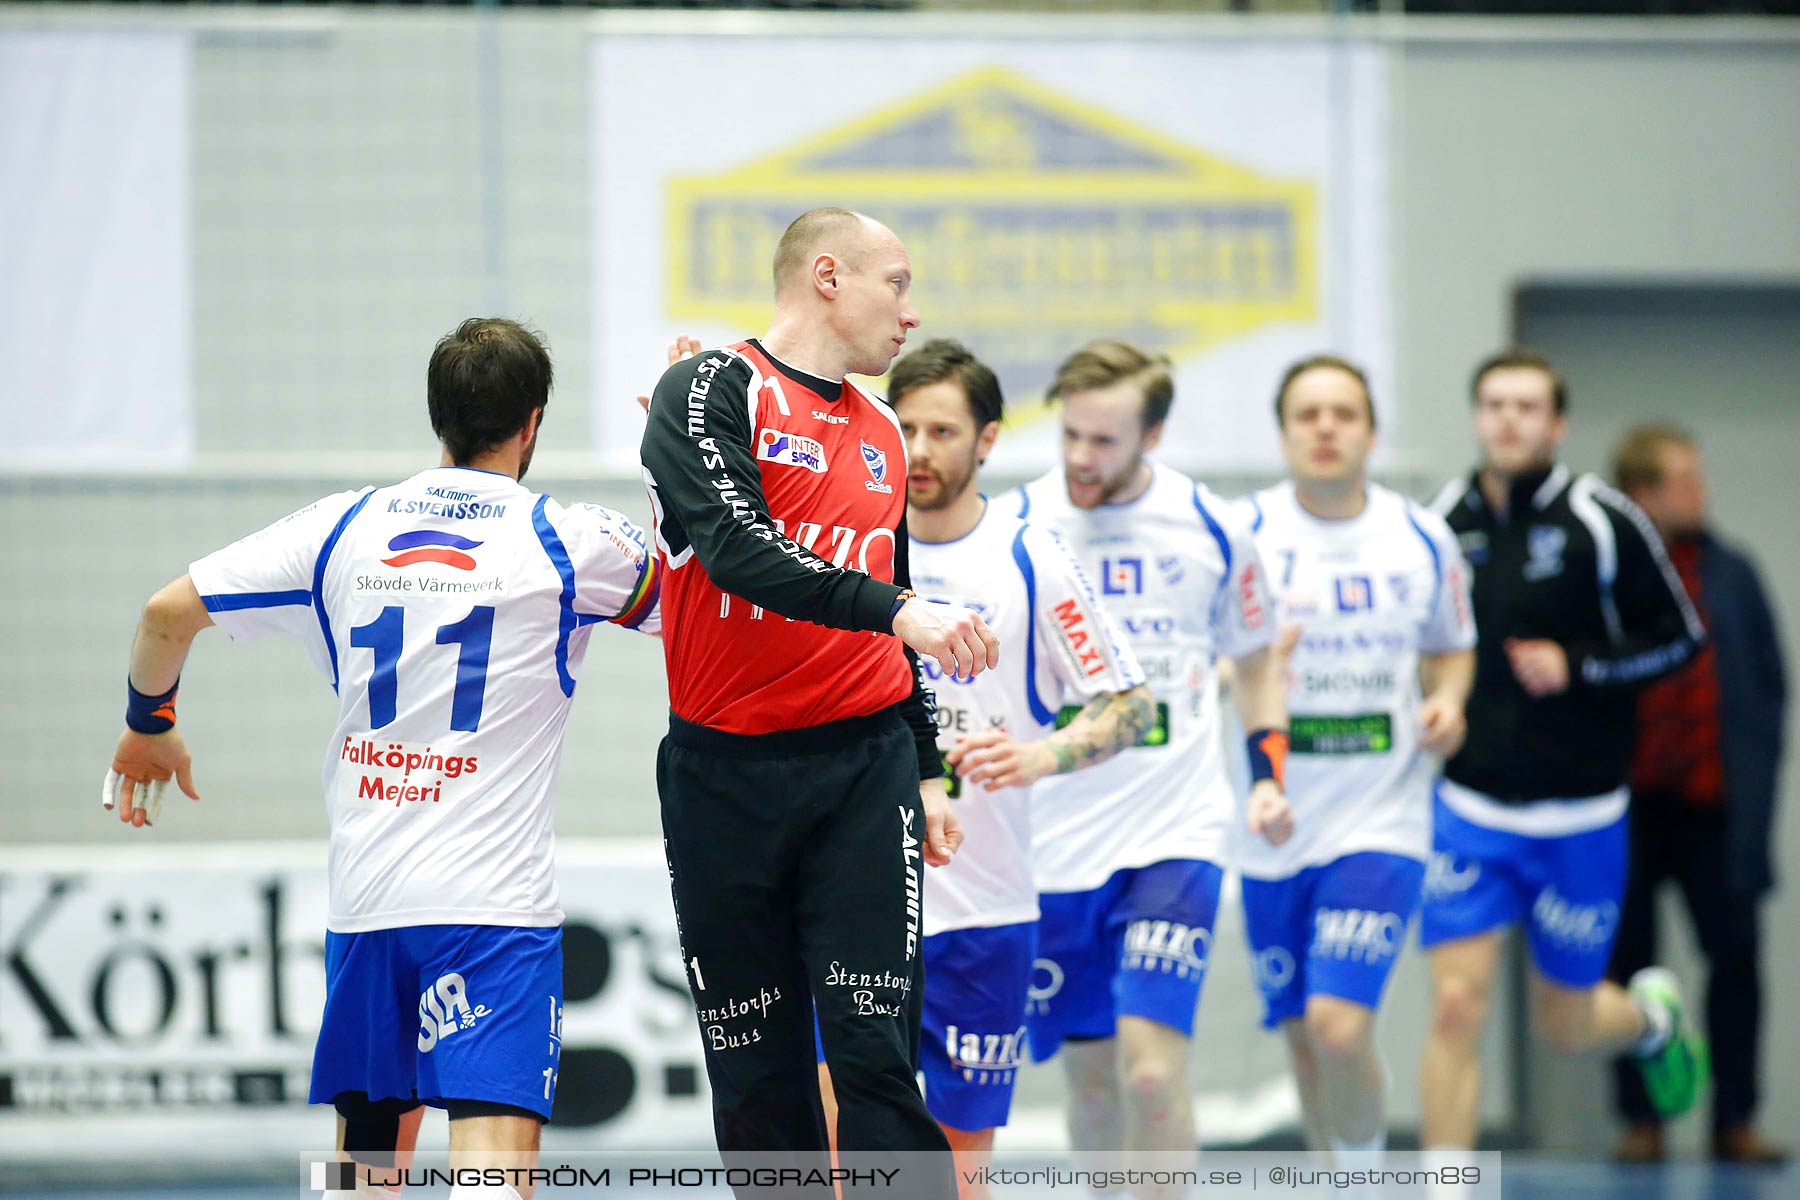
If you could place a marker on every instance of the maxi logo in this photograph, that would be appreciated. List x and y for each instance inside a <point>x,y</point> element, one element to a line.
<point>1248,603</point>
<point>1081,641</point>
<point>1166,946</point>
<point>1357,933</point>
<point>790,450</point>
<point>985,1057</point>
<point>444,1008</point>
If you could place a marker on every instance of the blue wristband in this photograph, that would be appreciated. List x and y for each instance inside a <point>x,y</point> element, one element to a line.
<point>149,714</point>
<point>1268,751</point>
<point>900,603</point>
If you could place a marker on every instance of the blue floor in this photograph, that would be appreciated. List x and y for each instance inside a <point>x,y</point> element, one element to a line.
<point>1526,1178</point>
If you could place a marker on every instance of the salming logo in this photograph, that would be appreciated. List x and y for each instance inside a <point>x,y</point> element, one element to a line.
<point>444,1008</point>
<point>912,856</point>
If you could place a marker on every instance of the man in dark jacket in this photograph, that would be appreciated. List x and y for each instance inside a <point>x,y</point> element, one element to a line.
<point>1703,792</point>
<point>1577,609</point>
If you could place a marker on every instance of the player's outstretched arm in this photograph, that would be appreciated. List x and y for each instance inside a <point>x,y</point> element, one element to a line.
<point>151,751</point>
<point>1261,695</point>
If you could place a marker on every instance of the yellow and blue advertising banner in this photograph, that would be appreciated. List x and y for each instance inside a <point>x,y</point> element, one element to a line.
<point>1220,202</point>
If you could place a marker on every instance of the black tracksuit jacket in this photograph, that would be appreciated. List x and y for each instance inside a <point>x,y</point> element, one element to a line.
<point>1573,561</point>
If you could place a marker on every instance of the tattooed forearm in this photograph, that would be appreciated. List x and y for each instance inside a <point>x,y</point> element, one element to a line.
<point>1105,726</point>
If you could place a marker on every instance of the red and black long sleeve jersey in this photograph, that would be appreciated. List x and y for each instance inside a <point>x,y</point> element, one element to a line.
<point>780,504</point>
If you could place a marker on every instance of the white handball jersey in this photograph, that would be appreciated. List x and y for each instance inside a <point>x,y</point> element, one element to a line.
<point>1371,594</point>
<point>450,612</point>
<point>1059,650</point>
<point>1185,585</point>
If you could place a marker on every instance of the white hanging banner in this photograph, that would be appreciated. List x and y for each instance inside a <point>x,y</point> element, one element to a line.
<point>1223,202</point>
<point>96,250</point>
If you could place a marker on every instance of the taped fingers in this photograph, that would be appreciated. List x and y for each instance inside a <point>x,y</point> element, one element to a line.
<point>109,791</point>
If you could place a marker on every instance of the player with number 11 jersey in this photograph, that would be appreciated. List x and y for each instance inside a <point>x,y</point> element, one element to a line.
<point>450,612</point>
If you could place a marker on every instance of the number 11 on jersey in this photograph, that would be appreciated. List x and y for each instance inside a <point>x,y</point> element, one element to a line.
<point>386,634</point>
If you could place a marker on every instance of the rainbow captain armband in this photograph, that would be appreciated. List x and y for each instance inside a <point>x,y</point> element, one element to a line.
<point>1268,751</point>
<point>149,714</point>
<point>644,598</point>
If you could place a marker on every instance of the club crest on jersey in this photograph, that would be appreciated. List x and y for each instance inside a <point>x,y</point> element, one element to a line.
<point>876,460</point>
<point>1545,545</point>
<point>790,450</point>
<point>429,545</point>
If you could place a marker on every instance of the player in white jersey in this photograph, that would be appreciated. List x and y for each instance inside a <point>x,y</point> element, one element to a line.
<point>1000,732</point>
<point>450,612</point>
<point>1129,853</point>
<point>1380,591</point>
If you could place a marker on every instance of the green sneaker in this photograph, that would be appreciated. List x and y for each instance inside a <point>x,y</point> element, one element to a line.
<point>1674,1075</point>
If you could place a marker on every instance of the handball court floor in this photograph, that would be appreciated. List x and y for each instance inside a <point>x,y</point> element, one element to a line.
<point>1524,1177</point>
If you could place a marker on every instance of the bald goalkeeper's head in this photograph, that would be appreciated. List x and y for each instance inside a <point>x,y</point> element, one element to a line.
<point>847,278</point>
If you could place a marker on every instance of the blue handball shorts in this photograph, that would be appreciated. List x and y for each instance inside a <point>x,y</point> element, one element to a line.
<point>1136,946</point>
<point>973,1037</point>
<point>1564,889</point>
<point>1331,930</point>
<point>442,1012</point>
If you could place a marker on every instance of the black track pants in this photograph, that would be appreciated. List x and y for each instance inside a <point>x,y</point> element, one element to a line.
<point>798,868</point>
